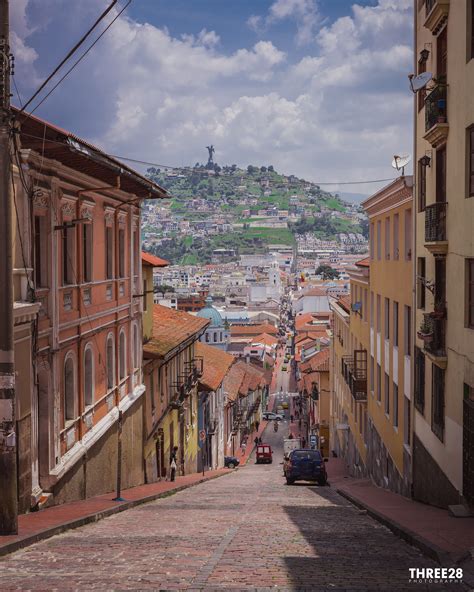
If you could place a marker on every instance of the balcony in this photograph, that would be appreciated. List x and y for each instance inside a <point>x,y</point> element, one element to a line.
<point>434,338</point>
<point>436,116</point>
<point>436,14</point>
<point>436,239</point>
<point>354,371</point>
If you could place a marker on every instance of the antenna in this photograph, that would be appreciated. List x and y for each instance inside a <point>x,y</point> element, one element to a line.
<point>400,162</point>
<point>419,82</point>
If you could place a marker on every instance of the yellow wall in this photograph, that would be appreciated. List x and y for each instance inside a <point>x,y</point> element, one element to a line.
<point>147,272</point>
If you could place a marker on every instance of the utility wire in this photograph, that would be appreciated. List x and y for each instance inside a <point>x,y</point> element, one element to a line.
<point>77,62</point>
<point>177,168</point>
<point>70,53</point>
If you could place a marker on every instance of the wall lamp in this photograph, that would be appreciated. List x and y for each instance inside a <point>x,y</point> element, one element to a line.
<point>425,161</point>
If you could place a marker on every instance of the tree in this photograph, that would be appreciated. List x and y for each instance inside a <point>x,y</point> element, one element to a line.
<point>327,272</point>
<point>263,169</point>
<point>251,169</point>
<point>270,168</point>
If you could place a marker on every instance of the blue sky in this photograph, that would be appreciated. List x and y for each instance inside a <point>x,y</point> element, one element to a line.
<point>317,88</point>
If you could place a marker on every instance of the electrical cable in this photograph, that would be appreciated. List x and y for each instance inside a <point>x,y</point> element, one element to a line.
<point>76,63</point>
<point>69,54</point>
<point>177,168</point>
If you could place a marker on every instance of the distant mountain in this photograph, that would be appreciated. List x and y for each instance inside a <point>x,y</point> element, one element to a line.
<point>353,197</point>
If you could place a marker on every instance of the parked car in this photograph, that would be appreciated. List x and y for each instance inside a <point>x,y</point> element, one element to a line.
<point>231,462</point>
<point>305,465</point>
<point>271,416</point>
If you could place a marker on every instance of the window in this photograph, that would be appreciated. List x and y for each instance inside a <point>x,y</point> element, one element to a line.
<point>387,238</point>
<point>207,337</point>
<point>396,224</point>
<point>372,372</point>
<point>387,393</point>
<point>121,247</point>
<point>387,319</point>
<point>69,389</point>
<point>408,233</point>
<point>372,240</point>
<point>395,323</point>
<point>364,308</point>
<point>421,282</point>
<point>379,383</point>
<point>109,252</point>
<point>135,346</point>
<point>419,380</point>
<point>135,248</point>
<point>406,421</point>
<point>470,293</point>
<point>214,337</point>
<point>69,254</point>
<point>437,405</point>
<point>470,31</point>
<point>87,252</point>
<point>379,313</point>
<point>442,55</point>
<point>441,174</point>
<point>395,405</point>
<point>110,363</point>
<point>88,376</point>
<point>421,187</point>
<point>470,159</point>
<point>152,390</point>
<point>407,330</point>
<point>379,240</point>
<point>422,92</point>
<point>41,252</point>
<point>122,355</point>
<point>372,309</point>
<point>145,294</point>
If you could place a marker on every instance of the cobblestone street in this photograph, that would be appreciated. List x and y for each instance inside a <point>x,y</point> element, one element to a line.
<point>244,531</point>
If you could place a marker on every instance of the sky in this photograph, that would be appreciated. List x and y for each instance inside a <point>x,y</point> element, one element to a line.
<point>317,88</point>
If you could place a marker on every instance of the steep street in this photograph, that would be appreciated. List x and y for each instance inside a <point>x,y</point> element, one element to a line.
<point>246,530</point>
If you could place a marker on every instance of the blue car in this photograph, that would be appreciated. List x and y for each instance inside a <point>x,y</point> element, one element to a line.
<point>231,462</point>
<point>305,465</point>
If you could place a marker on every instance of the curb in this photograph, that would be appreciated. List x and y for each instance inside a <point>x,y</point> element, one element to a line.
<point>429,549</point>
<point>95,517</point>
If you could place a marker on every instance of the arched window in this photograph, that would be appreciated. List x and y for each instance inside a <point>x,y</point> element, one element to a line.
<point>122,355</point>
<point>69,389</point>
<point>215,336</point>
<point>88,376</point>
<point>135,346</point>
<point>110,363</point>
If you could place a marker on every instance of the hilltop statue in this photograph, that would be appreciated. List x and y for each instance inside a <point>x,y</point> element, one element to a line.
<point>210,162</point>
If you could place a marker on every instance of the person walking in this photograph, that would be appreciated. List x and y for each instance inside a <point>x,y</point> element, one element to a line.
<point>303,443</point>
<point>173,463</point>
<point>291,418</point>
<point>256,441</point>
<point>243,447</point>
<point>257,425</point>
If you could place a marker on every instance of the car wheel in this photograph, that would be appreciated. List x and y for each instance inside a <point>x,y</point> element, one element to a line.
<point>322,481</point>
<point>231,465</point>
<point>290,481</point>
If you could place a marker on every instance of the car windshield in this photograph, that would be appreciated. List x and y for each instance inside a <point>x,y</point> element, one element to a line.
<point>306,455</point>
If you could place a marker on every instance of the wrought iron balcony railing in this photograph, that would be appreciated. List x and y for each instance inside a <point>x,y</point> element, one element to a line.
<point>436,107</point>
<point>435,341</point>
<point>354,371</point>
<point>435,222</point>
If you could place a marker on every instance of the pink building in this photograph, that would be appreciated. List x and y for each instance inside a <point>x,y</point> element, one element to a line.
<point>79,257</point>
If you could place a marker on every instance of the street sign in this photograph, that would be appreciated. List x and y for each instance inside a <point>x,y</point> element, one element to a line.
<point>202,435</point>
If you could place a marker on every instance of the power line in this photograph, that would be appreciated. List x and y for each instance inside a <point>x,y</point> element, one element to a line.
<point>176,168</point>
<point>77,62</point>
<point>70,53</point>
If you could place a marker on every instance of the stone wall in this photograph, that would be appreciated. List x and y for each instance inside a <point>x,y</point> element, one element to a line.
<point>430,484</point>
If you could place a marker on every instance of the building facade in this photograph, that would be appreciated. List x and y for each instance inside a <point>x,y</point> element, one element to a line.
<point>443,440</point>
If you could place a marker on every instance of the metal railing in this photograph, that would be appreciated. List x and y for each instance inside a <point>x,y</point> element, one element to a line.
<point>429,4</point>
<point>354,372</point>
<point>436,343</point>
<point>435,222</point>
<point>436,107</point>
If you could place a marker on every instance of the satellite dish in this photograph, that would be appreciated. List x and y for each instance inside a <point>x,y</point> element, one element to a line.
<point>419,82</point>
<point>400,162</point>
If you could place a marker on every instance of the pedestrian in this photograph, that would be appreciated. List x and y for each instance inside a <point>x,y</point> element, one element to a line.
<point>257,425</point>
<point>243,446</point>
<point>259,440</point>
<point>303,443</point>
<point>173,464</point>
<point>299,423</point>
<point>256,440</point>
<point>290,437</point>
<point>291,418</point>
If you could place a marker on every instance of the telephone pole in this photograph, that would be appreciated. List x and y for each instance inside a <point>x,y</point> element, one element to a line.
<point>8,459</point>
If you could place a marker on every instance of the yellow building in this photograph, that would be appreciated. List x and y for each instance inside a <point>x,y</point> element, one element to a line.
<point>443,440</point>
<point>149,262</point>
<point>348,372</point>
<point>171,371</point>
<point>390,320</point>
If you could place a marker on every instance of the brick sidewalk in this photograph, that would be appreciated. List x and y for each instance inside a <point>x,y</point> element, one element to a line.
<point>37,526</point>
<point>431,529</point>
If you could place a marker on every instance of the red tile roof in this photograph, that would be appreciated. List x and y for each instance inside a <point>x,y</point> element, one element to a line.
<point>364,262</point>
<point>216,365</point>
<point>170,329</point>
<point>317,363</point>
<point>253,329</point>
<point>232,381</point>
<point>345,302</point>
<point>150,259</point>
<point>265,339</point>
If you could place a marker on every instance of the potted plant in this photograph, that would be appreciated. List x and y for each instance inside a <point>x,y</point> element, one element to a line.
<point>425,331</point>
<point>439,311</point>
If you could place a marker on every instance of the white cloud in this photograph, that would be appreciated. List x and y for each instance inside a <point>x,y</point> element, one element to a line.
<point>304,12</point>
<point>340,112</point>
